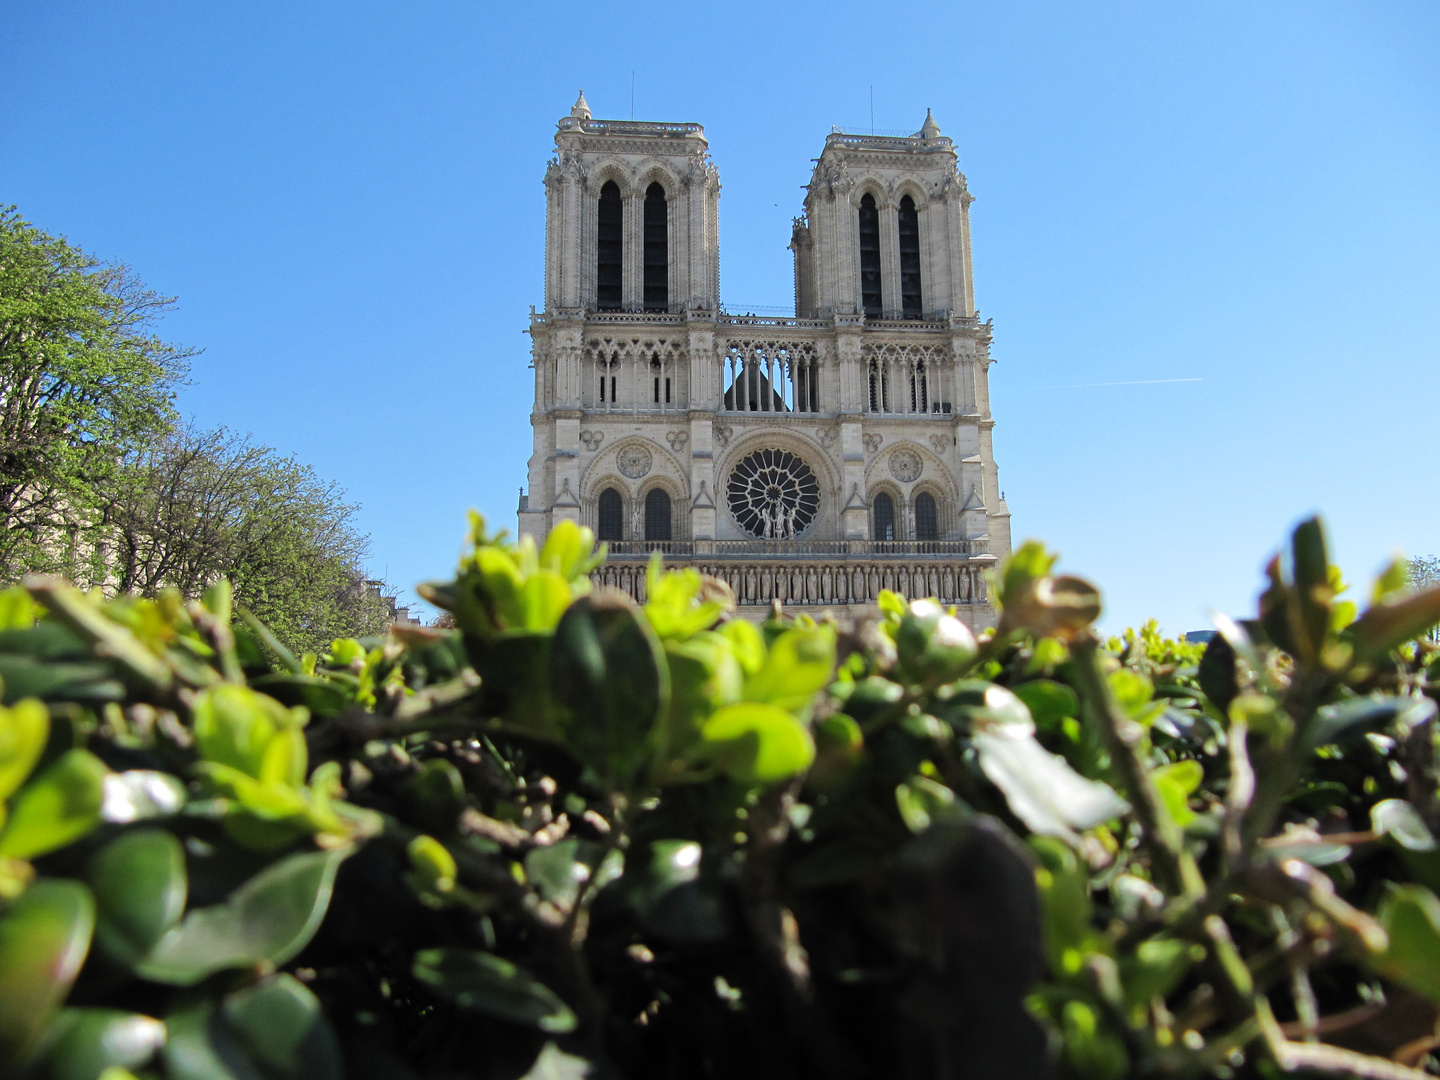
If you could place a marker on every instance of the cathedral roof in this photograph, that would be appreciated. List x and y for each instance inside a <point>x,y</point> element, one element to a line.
<point>928,130</point>
<point>581,110</point>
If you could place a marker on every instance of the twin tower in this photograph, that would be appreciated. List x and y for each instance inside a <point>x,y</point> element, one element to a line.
<point>813,460</point>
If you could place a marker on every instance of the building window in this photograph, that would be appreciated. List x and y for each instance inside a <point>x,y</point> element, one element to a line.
<point>657,257</point>
<point>927,521</point>
<point>657,515</point>
<point>910,302</point>
<point>884,517</point>
<point>870,298</point>
<point>611,516</point>
<point>610,242</point>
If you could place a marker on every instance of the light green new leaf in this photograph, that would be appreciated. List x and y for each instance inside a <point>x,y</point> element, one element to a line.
<point>800,663</point>
<point>24,729</point>
<point>271,917</point>
<point>58,807</point>
<point>234,726</point>
<point>1175,783</point>
<point>489,984</point>
<point>757,744</point>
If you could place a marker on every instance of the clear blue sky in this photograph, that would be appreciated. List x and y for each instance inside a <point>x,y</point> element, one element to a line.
<point>346,197</point>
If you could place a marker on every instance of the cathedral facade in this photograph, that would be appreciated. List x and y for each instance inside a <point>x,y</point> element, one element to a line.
<point>813,460</point>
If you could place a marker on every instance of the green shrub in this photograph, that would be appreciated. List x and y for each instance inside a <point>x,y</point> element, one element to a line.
<point>575,837</point>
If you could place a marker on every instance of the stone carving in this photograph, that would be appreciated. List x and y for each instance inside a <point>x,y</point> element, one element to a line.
<point>872,443</point>
<point>677,439</point>
<point>723,434</point>
<point>941,443</point>
<point>829,435</point>
<point>634,461</point>
<point>592,439</point>
<point>905,465</point>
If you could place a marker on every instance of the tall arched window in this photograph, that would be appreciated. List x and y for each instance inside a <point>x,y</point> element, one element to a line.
<point>910,301</point>
<point>657,515</point>
<point>612,515</point>
<point>870,299</point>
<point>927,520</point>
<point>884,517</point>
<point>657,256</point>
<point>610,243</point>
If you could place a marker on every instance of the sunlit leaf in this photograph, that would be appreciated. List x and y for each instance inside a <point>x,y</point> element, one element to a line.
<point>57,807</point>
<point>757,744</point>
<point>1042,789</point>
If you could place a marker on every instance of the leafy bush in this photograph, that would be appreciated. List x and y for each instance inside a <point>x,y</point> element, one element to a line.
<point>574,837</point>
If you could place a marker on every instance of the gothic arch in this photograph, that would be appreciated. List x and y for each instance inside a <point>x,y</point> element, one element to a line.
<point>679,504</point>
<point>653,171</point>
<point>944,507</point>
<point>910,186</point>
<point>871,184</point>
<point>934,476</point>
<point>590,491</point>
<point>663,465</point>
<point>609,168</point>
<point>896,493</point>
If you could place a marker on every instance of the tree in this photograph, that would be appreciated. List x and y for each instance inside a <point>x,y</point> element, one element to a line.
<point>200,505</point>
<point>82,379</point>
<point>1423,571</point>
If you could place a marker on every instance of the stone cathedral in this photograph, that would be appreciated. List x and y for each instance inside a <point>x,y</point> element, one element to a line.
<point>813,460</point>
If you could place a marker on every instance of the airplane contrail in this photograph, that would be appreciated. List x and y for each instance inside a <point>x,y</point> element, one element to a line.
<point>1087,386</point>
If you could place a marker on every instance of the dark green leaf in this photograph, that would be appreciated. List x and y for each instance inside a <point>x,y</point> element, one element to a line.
<point>323,697</point>
<point>489,984</point>
<point>43,941</point>
<point>1410,915</point>
<point>86,1042</point>
<point>1048,702</point>
<point>280,1025</point>
<point>271,917</point>
<point>139,883</point>
<point>1312,587</point>
<point>1351,719</point>
<point>608,669</point>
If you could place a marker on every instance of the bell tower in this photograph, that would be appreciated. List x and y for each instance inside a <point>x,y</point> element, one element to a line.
<point>631,217</point>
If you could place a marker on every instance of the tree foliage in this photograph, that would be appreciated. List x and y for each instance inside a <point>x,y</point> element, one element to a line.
<point>83,379</point>
<point>99,482</point>
<point>198,504</point>
<point>574,837</point>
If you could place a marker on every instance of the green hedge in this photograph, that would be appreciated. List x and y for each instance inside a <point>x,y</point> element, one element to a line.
<point>579,838</point>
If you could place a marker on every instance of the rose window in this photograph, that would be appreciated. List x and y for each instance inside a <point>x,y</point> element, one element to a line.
<point>773,495</point>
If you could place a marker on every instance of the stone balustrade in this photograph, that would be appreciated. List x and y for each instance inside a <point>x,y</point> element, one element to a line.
<point>823,582</point>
